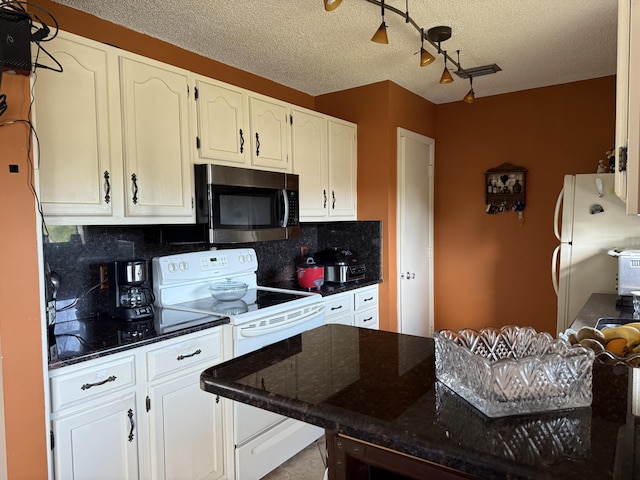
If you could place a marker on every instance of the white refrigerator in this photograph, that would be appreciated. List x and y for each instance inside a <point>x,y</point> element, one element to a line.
<point>589,220</point>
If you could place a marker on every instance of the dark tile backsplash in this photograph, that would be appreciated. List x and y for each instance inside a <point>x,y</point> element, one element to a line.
<point>77,260</point>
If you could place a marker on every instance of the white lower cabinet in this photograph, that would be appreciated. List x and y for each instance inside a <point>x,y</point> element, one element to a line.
<point>153,423</point>
<point>358,307</point>
<point>186,437</point>
<point>365,307</point>
<point>98,442</point>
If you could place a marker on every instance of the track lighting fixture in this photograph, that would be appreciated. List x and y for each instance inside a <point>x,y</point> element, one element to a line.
<point>446,75</point>
<point>470,97</point>
<point>331,4</point>
<point>435,36</point>
<point>425,57</point>
<point>381,34</point>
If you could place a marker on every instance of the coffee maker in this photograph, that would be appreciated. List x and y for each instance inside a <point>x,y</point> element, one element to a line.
<point>130,296</point>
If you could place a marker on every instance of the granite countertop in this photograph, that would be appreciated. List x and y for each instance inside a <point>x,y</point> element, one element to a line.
<point>380,387</point>
<point>327,288</point>
<point>602,305</point>
<point>84,339</point>
<point>78,340</point>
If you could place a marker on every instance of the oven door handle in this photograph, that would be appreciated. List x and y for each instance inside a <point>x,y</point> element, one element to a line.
<point>258,331</point>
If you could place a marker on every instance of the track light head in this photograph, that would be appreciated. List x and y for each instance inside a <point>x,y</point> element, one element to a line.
<point>331,4</point>
<point>381,34</point>
<point>425,58</point>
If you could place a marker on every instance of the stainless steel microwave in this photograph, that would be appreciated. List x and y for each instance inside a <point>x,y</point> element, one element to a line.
<point>239,205</point>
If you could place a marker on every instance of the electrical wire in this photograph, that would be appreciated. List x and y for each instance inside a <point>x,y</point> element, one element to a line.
<point>75,302</point>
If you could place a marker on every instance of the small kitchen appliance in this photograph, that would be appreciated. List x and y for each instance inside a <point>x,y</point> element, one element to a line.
<point>310,274</point>
<point>628,269</point>
<point>130,296</point>
<point>341,265</point>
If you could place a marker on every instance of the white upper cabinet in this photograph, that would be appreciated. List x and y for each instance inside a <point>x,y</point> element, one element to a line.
<point>221,120</point>
<point>269,133</point>
<point>155,116</point>
<point>238,128</point>
<point>628,105</point>
<point>309,152</point>
<point>114,132</point>
<point>324,157</point>
<point>343,161</point>
<point>78,129</point>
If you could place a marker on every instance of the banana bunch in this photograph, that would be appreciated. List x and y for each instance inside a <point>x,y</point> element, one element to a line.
<point>621,340</point>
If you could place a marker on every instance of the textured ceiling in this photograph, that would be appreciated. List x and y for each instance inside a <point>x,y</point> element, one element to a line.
<point>298,44</point>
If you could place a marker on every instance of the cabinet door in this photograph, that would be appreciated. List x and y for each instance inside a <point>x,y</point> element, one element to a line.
<point>628,105</point>
<point>269,140</point>
<point>309,155</point>
<point>223,136</point>
<point>342,170</point>
<point>75,129</point>
<point>186,430</point>
<point>155,119</point>
<point>100,442</point>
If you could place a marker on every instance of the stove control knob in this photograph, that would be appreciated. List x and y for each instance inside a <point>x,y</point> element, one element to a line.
<point>171,267</point>
<point>241,259</point>
<point>249,258</point>
<point>184,266</point>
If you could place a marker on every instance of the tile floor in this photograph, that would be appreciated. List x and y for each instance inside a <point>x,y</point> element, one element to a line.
<point>309,464</point>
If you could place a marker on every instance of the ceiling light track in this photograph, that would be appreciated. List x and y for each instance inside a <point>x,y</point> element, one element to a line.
<point>434,36</point>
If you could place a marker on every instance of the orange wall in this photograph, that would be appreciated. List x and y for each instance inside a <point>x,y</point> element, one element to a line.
<point>379,109</point>
<point>489,270</point>
<point>20,335</point>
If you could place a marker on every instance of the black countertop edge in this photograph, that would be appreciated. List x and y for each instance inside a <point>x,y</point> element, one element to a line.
<point>99,353</point>
<point>459,459</point>
<point>327,288</point>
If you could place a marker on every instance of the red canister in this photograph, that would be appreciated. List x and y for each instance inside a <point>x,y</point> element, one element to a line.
<point>310,275</point>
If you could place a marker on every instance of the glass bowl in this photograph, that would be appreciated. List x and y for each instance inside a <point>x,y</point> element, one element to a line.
<point>228,290</point>
<point>514,370</point>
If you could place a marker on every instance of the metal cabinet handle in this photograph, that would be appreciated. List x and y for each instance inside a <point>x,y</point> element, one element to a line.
<point>367,319</point>
<point>134,179</point>
<point>333,200</point>
<point>182,357</point>
<point>336,308</point>
<point>324,194</point>
<point>107,195</point>
<point>241,141</point>
<point>257,145</point>
<point>133,425</point>
<point>367,299</point>
<point>87,386</point>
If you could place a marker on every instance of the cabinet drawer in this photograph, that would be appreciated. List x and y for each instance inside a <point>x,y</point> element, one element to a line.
<point>183,354</point>
<point>92,382</point>
<point>337,305</point>
<point>367,318</point>
<point>366,298</point>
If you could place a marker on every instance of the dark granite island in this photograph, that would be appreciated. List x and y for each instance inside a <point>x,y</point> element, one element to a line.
<point>376,395</point>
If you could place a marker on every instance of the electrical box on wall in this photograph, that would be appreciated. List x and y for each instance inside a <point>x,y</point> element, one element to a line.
<point>15,52</point>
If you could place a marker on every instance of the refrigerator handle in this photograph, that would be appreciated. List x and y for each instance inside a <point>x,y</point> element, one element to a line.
<point>556,215</point>
<point>554,272</point>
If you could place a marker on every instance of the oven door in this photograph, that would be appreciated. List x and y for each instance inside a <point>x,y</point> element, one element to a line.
<point>265,440</point>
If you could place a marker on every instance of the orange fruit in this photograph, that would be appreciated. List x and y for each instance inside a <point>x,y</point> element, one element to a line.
<point>617,346</point>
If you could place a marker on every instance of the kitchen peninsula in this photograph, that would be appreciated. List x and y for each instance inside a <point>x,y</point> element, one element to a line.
<point>376,395</point>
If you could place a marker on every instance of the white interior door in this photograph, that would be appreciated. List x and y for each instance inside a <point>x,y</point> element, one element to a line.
<point>415,233</point>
